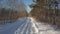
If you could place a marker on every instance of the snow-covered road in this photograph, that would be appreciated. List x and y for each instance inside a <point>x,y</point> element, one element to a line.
<point>27,26</point>
<point>10,28</point>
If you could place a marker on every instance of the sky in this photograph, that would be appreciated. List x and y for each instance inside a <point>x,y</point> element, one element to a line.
<point>27,3</point>
<point>4,3</point>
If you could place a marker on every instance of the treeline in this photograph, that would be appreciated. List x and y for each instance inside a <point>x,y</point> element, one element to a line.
<point>46,11</point>
<point>11,14</point>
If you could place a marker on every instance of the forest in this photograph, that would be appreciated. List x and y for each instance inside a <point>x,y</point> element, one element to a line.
<point>46,11</point>
<point>11,14</point>
<point>12,10</point>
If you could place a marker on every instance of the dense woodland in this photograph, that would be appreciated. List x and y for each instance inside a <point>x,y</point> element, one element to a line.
<point>11,10</point>
<point>11,14</point>
<point>46,11</point>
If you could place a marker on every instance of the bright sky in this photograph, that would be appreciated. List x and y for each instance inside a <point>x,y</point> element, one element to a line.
<point>4,3</point>
<point>27,3</point>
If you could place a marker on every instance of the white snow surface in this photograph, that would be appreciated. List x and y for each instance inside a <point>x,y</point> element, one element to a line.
<point>28,26</point>
<point>43,28</point>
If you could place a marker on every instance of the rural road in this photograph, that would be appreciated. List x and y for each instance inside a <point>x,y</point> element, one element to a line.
<point>27,26</point>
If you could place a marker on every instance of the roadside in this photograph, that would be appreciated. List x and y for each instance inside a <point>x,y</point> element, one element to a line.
<point>10,28</point>
<point>43,28</point>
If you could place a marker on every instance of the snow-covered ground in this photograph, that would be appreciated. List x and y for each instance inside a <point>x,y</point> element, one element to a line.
<point>27,26</point>
<point>10,28</point>
<point>43,28</point>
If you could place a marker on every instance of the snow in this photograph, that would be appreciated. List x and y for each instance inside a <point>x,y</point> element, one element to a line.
<point>10,28</point>
<point>43,28</point>
<point>27,25</point>
<point>24,28</point>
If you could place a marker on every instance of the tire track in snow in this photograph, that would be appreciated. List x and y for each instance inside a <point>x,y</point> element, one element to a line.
<point>15,26</point>
<point>26,29</point>
<point>29,28</point>
<point>20,29</point>
<point>23,30</point>
<point>31,32</point>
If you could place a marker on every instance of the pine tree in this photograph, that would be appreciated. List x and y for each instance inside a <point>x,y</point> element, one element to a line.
<point>45,10</point>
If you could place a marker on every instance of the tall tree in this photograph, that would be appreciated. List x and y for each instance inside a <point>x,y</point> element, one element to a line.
<point>44,9</point>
